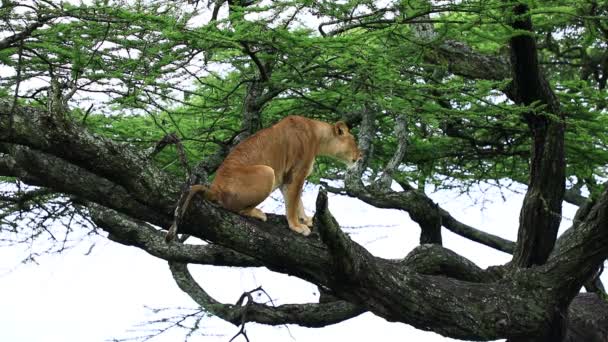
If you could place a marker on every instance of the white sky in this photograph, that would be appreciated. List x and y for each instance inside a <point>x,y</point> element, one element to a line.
<point>73,297</point>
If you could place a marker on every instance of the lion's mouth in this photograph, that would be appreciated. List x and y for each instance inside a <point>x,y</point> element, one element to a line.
<point>351,162</point>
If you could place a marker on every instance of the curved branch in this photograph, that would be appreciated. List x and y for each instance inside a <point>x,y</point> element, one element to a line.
<point>474,234</point>
<point>432,259</point>
<point>313,315</point>
<point>390,199</point>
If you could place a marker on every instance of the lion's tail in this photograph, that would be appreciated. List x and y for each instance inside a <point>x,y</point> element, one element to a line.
<point>182,206</point>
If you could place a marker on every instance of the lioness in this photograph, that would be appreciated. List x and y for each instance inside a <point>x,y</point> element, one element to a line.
<point>281,156</point>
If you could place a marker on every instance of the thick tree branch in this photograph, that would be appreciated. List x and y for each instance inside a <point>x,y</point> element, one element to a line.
<point>462,60</point>
<point>124,230</point>
<point>10,168</point>
<point>120,164</point>
<point>41,169</point>
<point>344,252</point>
<point>432,259</point>
<point>580,259</point>
<point>384,280</point>
<point>541,211</point>
<point>452,307</point>
<point>588,319</point>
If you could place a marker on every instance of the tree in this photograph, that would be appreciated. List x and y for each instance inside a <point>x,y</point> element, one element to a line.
<point>442,94</point>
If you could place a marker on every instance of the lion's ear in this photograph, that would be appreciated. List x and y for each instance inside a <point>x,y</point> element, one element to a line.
<point>340,128</point>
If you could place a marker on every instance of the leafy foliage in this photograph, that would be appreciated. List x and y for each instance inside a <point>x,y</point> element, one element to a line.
<point>156,67</point>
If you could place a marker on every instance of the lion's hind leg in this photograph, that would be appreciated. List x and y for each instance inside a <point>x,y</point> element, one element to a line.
<point>244,187</point>
<point>254,212</point>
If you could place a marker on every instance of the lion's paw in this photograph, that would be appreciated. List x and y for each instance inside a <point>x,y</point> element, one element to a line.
<point>307,220</point>
<point>300,228</point>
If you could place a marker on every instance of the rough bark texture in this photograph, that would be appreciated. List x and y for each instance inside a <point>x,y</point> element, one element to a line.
<point>440,303</point>
<point>541,212</point>
<point>588,319</point>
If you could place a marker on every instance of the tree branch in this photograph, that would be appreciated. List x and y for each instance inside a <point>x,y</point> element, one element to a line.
<point>126,231</point>
<point>313,315</point>
<point>26,32</point>
<point>401,135</point>
<point>519,304</point>
<point>264,77</point>
<point>588,319</point>
<point>574,196</point>
<point>541,211</point>
<point>432,259</point>
<point>346,260</point>
<point>580,249</point>
<point>462,60</point>
<point>474,234</point>
<point>505,303</point>
<point>37,168</point>
<point>420,208</point>
<point>412,200</point>
<point>93,153</point>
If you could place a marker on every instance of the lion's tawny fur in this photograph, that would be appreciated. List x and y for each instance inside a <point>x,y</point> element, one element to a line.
<point>280,156</point>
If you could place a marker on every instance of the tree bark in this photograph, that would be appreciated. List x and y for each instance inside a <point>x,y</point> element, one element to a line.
<point>520,304</point>
<point>541,211</point>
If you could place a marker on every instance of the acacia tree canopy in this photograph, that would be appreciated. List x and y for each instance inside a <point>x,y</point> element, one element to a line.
<point>109,110</point>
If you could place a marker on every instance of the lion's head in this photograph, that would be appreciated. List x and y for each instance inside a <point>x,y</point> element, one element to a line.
<point>342,145</point>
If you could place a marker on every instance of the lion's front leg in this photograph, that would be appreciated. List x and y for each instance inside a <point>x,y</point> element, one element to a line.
<point>302,217</point>
<point>292,193</point>
<point>307,220</point>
